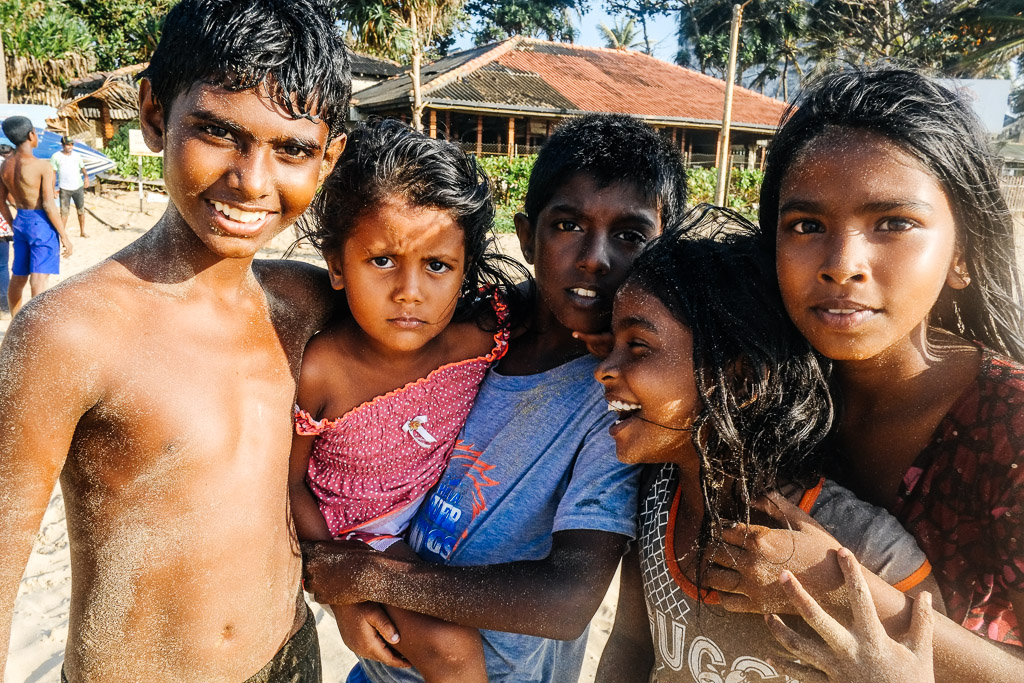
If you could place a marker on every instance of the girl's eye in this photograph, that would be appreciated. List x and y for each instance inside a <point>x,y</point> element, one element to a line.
<point>438,267</point>
<point>806,227</point>
<point>897,225</point>
<point>637,347</point>
<point>568,226</point>
<point>381,261</point>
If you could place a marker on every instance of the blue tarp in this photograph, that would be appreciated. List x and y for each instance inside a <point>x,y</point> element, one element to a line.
<point>49,143</point>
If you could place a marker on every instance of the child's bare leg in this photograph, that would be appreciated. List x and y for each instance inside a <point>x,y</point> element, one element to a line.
<point>440,650</point>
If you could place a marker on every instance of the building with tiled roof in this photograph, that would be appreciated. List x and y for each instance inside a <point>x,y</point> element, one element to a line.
<point>519,89</point>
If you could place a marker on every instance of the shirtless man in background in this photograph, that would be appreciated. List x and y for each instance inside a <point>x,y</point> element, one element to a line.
<point>27,183</point>
<point>158,385</point>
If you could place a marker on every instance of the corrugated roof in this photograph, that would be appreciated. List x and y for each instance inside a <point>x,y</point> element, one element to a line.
<point>538,76</point>
<point>368,65</point>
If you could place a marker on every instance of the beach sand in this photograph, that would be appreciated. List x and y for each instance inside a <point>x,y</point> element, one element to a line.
<point>40,624</point>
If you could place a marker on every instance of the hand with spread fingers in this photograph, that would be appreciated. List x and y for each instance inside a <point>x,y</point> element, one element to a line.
<point>864,652</point>
<point>746,565</point>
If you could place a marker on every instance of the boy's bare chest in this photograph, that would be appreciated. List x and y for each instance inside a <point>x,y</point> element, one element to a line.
<point>204,402</point>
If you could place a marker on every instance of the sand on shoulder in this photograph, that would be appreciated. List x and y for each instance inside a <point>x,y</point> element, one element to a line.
<point>40,625</point>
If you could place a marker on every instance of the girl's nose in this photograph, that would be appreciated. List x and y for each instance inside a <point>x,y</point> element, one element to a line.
<point>607,371</point>
<point>846,259</point>
<point>408,288</point>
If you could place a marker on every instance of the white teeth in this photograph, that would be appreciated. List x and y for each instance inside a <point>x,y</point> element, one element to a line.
<point>622,406</point>
<point>841,311</point>
<point>238,215</point>
<point>579,291</point>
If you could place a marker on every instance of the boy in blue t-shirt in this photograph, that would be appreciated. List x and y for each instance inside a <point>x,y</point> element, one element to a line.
<point>527,525</point>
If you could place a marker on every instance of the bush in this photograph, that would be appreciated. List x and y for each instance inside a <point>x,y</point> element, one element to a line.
<point>509,178</point>
<point>744,188</point>
<point>127,165</point>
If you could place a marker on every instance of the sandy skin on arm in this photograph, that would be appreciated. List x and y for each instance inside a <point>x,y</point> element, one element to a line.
<point>158,386</point>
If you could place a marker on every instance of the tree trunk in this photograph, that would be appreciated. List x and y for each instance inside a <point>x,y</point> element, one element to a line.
<point>647,41</point>
<point>3,72</point>
<point>785,79</point>
<point>414,74</point>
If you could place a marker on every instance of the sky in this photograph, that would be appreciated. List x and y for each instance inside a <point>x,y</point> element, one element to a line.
<point>662,31</point>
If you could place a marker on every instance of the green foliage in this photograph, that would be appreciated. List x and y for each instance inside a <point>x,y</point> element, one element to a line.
<point>126,31</point>
<point>621,36</point>
<point>128,165</point>
<point>744,188</point>
<point>42,30</point>
<point>500,19</point>
<point>509,179</point>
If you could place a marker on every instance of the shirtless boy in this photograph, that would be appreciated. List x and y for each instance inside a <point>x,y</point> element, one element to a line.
<point>158,385</point>
<point>27,183</point>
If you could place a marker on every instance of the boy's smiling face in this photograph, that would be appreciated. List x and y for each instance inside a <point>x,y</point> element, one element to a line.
<point>582,244</point>
<point>237,166</point>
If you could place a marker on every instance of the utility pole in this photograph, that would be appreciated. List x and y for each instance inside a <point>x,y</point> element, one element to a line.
<point>730,79</point>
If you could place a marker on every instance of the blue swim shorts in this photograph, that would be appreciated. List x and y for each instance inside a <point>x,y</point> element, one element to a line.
<point>36,245</point>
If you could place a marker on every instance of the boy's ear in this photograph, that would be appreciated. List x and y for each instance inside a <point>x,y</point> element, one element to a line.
<point>958,276</point>
<point>335,271</point>
<point>331,156</point>
<point>151,117</point>
<point>527,236</point>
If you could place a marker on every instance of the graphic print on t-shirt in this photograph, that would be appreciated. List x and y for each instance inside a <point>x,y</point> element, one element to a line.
<point>443,522</point>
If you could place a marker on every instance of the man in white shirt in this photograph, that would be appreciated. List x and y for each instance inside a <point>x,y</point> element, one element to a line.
<point>72,180</point>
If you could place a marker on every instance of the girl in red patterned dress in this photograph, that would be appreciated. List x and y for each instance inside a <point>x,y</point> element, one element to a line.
<point>402,223</point>
<point>896,259</point>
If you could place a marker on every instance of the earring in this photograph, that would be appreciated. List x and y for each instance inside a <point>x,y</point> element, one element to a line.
<point>965,277</point>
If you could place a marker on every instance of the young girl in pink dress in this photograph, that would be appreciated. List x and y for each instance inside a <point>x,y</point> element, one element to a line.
<point>384,390</point>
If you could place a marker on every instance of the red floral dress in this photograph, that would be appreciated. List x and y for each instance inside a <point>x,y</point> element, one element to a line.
<point>370,468</point>
<point>963,499</point>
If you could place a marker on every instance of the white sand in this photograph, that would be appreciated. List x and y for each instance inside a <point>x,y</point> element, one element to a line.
<point>40,625</point>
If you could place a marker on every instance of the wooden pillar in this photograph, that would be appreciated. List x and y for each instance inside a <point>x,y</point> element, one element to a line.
<point>682,141</point>
<point>448,124</point>
<point>547,129</point>
<point>433,123</point>
<point>105,120</point>
<point>689,151</point>
<point>511,137</point>
<point>479,134</point>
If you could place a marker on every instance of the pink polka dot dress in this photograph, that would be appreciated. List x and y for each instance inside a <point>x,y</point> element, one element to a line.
<point>370,468</point>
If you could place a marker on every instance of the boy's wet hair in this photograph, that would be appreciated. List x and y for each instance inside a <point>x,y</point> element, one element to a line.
<point>610,148</point>
<point>766,404</point>
<point>386,160</point>
<point>937,127</point>
<point>17,128</point>
<point>292,48</point>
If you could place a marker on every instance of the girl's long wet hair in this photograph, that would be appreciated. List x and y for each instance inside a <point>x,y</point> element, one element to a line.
<point>766,403</point>
<point>386,160</point>
<point>937,127</point>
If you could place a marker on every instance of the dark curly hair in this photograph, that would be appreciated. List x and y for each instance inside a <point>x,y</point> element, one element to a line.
<point>293,48</point>
<point>766,403</point>
<point>385,158</point>
<point>938,128</point>
<point>612,148</point>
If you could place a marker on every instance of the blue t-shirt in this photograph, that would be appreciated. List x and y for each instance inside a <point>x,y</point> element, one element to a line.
<point>534,458</point>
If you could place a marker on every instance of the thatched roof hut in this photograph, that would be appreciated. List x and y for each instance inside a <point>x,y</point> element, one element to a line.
<point>98,104</point>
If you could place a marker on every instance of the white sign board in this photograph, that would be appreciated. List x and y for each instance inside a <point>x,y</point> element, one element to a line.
<point>137,145</point>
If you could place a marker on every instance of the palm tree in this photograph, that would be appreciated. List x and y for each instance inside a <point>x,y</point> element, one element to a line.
<point>386,26</point>
<point>997,27</point>
<point>621,36</point>
<point>3,72</point>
